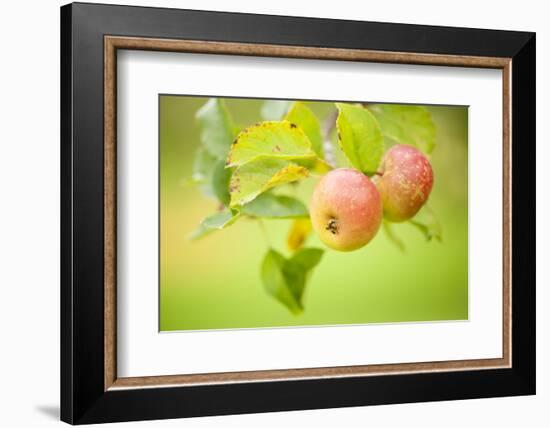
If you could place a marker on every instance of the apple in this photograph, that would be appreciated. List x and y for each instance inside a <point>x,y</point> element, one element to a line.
<point>405,180</point>
<point>345,209</point>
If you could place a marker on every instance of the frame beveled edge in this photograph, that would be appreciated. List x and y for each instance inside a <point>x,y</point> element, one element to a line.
<point>112,43</point>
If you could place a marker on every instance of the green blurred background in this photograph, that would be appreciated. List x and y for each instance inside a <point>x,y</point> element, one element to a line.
<point>214,283</point>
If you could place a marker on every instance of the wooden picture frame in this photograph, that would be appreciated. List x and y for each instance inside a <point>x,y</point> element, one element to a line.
<point>91,390</point>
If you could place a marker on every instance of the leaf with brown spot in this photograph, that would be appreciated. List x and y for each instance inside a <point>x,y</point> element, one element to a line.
<point>301,115</point>
<point>278,140</point>
<point>250,180</point>
<point>220,182</point>
<point>360,137</point>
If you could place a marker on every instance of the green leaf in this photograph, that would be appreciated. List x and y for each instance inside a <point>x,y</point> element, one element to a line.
<point>406,124</point>
<point>212,176</point>
<point>426,221</point>
<point>254,178</point>
<point>217,128</point>
<point>285,279</point>
<point>306,259</point>
<point>275,282</point>
<point>360,137</point>
<point>203,164</point>
<point>220,182</point>
<point>278,140</point>
<point>268,205</point>
<point>215,222</point>
<point>203,167</point>
<point>301,115</point>
<point>274,109</point>
<point>390,233</point>
<point>316,166</point>
<point>296,270</point>
<point>298,234</point>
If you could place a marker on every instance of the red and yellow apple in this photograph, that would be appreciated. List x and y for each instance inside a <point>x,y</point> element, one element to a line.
<point>345,209</point>
<point>405,181</point>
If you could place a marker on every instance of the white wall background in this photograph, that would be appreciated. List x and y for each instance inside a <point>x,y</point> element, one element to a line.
<point>29,214</point>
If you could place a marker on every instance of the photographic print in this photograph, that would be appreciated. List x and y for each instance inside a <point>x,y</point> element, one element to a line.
<point>286,213</point>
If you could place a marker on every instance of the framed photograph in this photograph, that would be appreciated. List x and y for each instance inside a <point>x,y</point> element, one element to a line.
<point>265,213</point>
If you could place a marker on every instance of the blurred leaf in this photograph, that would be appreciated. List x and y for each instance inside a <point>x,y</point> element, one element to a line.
<point>275,109</point>
<point>215,222</point>
<point>307,258</point>
<point>275,282</point>
<point>301,115</point>
<point>285,279</point>
<point>203,164</point>
<point>297,269</point>
<point>406,124</point>
<point>360,137</point>
<point>390,233</point>
<point>268,205</point>
<point>278,140</point>
<point>203,167</point>
<point>316,166</point>
<point>299,232</point>
<point>426,221</point>
<point>220,182</point>
<point>212,176</point>
<point>253,178</point>
<point>217,128</point>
